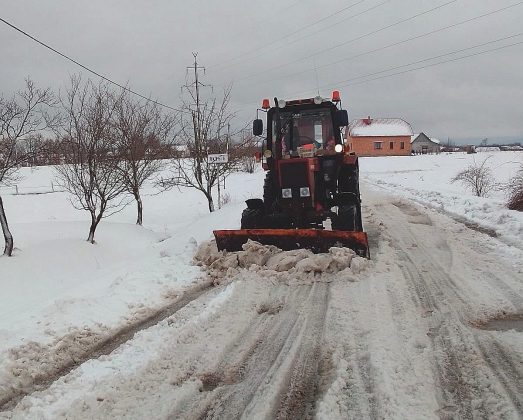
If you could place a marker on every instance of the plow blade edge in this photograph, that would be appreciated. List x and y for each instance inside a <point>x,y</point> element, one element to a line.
<point>287,239</point>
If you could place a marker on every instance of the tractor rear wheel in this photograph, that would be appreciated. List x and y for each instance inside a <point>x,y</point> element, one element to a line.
<point>348,180</point>
<point>269,195</point>
<point>349,213</point>
<point>347,218</point>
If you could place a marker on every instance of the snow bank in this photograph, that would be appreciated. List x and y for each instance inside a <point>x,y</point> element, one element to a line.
<point>38,362</point>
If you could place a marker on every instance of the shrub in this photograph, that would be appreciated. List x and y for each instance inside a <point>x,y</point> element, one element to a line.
<point>248,164</point>
<point>224,199</point>
<point>515,189</point>
<point>478,178</point>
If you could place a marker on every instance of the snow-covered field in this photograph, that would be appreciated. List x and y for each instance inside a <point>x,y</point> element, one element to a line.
<point>61,296</point>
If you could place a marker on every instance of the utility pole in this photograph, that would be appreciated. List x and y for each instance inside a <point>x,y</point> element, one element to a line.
<point>227,146</point>
<point>196,115</point>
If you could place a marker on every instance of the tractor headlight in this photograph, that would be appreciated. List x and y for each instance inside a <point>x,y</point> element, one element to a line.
<point>286,193</point>
<point>267,153</point>
<point>305,192</point>
<point>338,148</point>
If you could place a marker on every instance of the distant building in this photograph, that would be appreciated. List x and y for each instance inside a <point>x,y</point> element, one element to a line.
<point>483,149</point>
<point>511,148</point>
<point>500,148</point>
<point>379,137</point>
<point>179,151</point>
<point>469,148</point>
<point>422,144</point>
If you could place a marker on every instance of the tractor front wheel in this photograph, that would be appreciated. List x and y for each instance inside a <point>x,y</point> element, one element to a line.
<point>253,218</point>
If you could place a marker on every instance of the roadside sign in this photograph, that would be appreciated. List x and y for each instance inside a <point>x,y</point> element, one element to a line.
<point>218,158</point>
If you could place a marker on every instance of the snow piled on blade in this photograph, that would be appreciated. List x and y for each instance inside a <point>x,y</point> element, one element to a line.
<point>271,262</point>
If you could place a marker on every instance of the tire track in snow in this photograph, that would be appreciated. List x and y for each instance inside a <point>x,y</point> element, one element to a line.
<point>102,345</point>
<point>455,398</point>
<point>508,372</point>
<point>510,294</point>
<point>245,362</point>
<point>274,364</point>
<point>456,347</point>
<point>298,401</point>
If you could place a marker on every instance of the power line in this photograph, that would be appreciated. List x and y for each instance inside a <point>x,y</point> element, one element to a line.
<point>265,46</point>
<point>424,34</point>
<point>335,24</point>
<point>88,69</point>
<point>344,82</point>
<point>439,63</point>
<point>314,33</point>
<point>393,44</point>
<point>399,22</point>
<point>271,15</point>
<point>324,50</point>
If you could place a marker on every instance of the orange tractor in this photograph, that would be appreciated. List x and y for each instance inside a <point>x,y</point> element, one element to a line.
<point>311,179</point>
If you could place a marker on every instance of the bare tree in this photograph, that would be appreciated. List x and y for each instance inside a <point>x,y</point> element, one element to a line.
<point>21,116</point>
<point>515,201</point>
<point>51,152</point>
<point>144,134</point>
<point>478,178</point>
<point>32,147</point>
<point>92,176</point>
<point>204,131</point>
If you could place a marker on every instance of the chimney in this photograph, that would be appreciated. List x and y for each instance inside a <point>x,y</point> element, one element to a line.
<point>368,120</point>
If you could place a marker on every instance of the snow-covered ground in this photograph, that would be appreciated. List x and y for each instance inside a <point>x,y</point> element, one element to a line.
<point>384,324</point>
<point>426,179</point>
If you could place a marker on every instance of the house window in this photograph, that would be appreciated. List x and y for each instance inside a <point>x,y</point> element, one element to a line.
<point>402,145</point>
<point>378,145</point>
<point>391,145</point>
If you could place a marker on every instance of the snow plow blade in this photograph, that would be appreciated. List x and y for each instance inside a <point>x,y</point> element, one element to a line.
<point>287,239</point>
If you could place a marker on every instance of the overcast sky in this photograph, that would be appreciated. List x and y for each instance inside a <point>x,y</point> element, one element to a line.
<point>290,49</point>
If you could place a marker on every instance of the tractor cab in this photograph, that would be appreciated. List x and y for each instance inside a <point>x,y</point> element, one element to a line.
<point>301,128</point>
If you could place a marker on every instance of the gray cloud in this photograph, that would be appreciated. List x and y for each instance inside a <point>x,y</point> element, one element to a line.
<point>149,45</point>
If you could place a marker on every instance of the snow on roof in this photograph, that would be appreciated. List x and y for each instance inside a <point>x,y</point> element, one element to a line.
<point>379,127</point>
<point>432,139</point>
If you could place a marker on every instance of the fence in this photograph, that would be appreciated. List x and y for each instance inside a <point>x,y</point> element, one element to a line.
<point>30,189</point>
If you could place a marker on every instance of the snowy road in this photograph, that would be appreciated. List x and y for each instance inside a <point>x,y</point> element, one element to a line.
<point>410,335</point>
